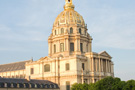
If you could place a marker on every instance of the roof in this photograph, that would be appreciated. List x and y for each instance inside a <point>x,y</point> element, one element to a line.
<point>24,83</point>
<point>13,66</point>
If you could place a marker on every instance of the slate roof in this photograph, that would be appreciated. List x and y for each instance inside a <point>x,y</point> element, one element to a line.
<point>13,66</point>
<point>24,83</point>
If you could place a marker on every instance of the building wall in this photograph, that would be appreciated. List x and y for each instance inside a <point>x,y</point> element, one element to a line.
<point>13,74</point>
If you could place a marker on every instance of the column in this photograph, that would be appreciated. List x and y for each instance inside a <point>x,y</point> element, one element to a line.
<point>92,64</point>
<point>99,65</point>
<point>76,44</point>
<point>102,65</point>
<point>106,66</point>
<point>67,45</point>
<point>110,67</point>
<point>64,44</point>
<point>96,64</point>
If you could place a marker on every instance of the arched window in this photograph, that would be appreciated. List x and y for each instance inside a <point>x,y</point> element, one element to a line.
<point>61,47</point>
<point>47,68</point>
<point>54,48</point>
<point>71,47</point>
<point>55,32</point>
<point>71,30</point>
<point>62,30</point>
<point>67,66</point>
<point>80,31</point>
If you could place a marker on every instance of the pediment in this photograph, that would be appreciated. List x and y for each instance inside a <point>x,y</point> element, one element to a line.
<point>44,59</point>
<point>104,53</point>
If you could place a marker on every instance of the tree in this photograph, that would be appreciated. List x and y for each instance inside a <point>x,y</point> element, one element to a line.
<point>107,83</point>
<point>130,85</point>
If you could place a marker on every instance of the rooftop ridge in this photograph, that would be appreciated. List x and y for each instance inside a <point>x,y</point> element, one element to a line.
<point>15,62</point>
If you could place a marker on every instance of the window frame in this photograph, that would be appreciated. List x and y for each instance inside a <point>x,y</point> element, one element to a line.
<point>67,66</point>
<point>81,47</point>
<point>62,30</point>
<point>71,48</point>
<point>83,66</point>
<point>54,48</point>
<point>80,30</point>
<point>55,32</point>
<point>71,30</point>
<point>67,85</point>
<point>47,69</point>
<point>31,71</point>
<point>61,47</point>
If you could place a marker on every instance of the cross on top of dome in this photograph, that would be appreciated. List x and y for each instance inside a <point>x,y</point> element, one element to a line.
<point>68,1</point>
<point>68,5</point>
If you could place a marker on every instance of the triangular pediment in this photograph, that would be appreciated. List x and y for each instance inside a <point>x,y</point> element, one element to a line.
<point>104,53</point>
<point>44,59</point>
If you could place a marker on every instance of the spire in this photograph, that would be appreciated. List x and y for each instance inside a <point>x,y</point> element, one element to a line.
<point>68,4</point>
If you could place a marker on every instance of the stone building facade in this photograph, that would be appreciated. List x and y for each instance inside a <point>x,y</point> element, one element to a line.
<point>70,59</point>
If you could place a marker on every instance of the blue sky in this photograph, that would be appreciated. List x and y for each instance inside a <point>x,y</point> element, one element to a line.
<point>26,24</point>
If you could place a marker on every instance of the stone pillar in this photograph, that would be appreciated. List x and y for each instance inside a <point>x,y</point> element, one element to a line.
<point>78,45</point>
<point>67,45</point>
<point>96,64</point>
<point>99,65</point>
<point>109,66</point>
<point>76,49</point>
<point>64,44</point>
<point>93,64</point>
<point>106,65</point>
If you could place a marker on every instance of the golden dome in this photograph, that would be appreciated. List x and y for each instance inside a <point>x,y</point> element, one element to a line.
<point>69,16</point>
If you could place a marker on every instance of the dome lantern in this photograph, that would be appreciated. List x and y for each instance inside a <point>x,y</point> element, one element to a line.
<point>69,5</point>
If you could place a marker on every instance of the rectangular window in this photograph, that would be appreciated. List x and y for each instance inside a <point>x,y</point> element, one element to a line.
<point>54,48</point>
<point>62,31</point>
<point>67,66</point>
<point>62,47</point>
<point>80,31</point>
<point>67,85</point>
<point>81,47</point>
<point>71,47</point>
<point>32,71</point>
<point>83,66</point>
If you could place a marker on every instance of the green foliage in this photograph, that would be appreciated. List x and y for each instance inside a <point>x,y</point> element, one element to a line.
<point>130,85</point>
<point>108,83</point>
<point>80,86</point>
